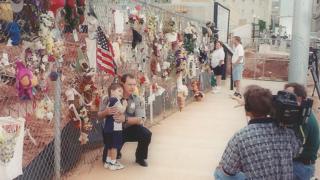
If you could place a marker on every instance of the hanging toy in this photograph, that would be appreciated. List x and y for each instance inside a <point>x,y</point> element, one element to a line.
<point>182,92</point>
<point>83,138</point>
<point>181,62</point>
<point>197,94</point>
<point>24,81</point>
<point>165,70</point>
<point>14,33</point>
<point>44,110</point>
<point>203,57</point>
<point>53,76</point>
<point>169,30</point>
<point>85,121</point>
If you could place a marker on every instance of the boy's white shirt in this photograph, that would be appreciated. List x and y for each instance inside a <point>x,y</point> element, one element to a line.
<point>238,52</point>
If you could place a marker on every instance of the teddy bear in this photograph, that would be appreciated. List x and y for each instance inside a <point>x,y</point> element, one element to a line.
<point>182,92</point>
<point>197,94</point>
<point>45,110</point>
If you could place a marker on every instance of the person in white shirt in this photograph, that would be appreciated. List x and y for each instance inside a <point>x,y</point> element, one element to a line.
<point>237,64</point>
<point>217,64</point>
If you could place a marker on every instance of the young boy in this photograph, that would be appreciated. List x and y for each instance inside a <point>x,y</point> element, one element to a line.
<point>112,130</point>
<point>237,64</point>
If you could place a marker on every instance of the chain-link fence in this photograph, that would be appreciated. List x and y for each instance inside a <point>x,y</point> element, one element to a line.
<point>54,145</point>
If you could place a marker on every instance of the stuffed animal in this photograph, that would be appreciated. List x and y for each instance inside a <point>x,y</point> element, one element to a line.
<point>83,138</point>
<point>85,121</point>
<point>166,70</point>
<point>25,81</point>
<point>45,110</point>
<point>182,92</point>
<point>14,33</point>
<point>197,94</point>
<point>181,62</point>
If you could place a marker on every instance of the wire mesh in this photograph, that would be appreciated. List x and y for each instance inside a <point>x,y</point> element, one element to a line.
<point>39,148</point>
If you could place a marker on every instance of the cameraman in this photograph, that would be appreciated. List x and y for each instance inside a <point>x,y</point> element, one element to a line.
<point>261,150</point>
<point>304,164</point>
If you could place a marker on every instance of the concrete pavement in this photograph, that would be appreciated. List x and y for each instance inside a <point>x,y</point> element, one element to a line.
<point>186,146</point>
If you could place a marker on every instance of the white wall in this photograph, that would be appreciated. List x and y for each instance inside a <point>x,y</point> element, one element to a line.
<point>244,32</point>
<point>287,23</point>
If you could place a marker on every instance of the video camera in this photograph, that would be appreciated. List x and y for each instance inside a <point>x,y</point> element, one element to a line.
<point>313,55</point>
<point>287,112</point>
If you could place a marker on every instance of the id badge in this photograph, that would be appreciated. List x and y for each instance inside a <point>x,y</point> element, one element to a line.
<point>131,108</point>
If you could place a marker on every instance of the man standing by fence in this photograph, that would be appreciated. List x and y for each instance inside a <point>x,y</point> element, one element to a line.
<point>132,120</point>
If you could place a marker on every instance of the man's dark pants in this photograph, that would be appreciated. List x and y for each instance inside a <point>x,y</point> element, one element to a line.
<point>135,133</point>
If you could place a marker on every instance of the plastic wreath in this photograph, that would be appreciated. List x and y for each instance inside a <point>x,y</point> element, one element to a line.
<point>190,37</point>
<point>47,22</point>
<point>72,18</point>
<point>152,25</point>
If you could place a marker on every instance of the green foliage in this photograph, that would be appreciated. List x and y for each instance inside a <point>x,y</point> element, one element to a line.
<point>262,25</point>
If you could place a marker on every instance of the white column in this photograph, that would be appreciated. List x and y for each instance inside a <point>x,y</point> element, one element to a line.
<point>299,53</point>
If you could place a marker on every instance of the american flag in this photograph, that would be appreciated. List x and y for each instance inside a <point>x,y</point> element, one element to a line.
<point>105,55</point>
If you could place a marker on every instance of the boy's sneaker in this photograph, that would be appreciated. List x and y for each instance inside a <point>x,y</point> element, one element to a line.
<point>106,165</point>
<point>116,166</point>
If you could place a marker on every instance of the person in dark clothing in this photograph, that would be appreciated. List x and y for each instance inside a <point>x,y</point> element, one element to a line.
<point>132,119</point>
<point>304,164</point>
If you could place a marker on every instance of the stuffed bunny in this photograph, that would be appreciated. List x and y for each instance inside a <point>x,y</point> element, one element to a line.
<point>24,81</point>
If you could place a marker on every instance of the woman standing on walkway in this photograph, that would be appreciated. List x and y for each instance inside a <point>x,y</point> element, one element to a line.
<point>217,65</point>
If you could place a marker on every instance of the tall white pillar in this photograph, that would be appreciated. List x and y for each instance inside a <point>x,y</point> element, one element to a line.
<point>299,53</point>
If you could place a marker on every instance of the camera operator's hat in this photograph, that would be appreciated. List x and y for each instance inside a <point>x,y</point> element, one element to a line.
<point>17,5</point>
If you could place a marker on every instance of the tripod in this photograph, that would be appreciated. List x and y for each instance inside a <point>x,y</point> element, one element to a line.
<point>314,69</point>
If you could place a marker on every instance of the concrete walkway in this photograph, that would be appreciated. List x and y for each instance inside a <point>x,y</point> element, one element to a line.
<point>186,146</point>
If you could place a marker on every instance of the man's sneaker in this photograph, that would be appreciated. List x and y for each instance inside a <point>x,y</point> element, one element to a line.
<point>115,166</point>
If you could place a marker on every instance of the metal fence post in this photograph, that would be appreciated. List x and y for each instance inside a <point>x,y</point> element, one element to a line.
<point>57,125</point>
